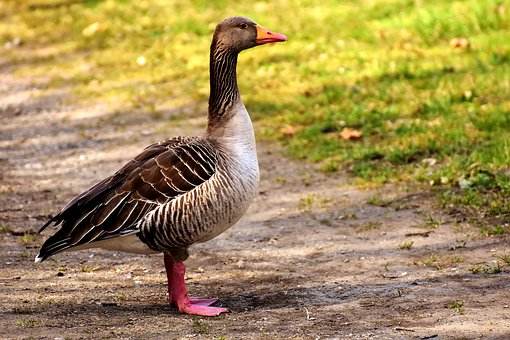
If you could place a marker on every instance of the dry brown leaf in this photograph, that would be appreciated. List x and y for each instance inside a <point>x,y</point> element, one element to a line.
<point>462,43</point>
<point>500,9</point>
<point>289,130</point>
<point>350,134</point>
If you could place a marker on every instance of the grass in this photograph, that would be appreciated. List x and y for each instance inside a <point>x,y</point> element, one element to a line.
<point>307,202</point>
<point>311,201</point>
<point>440,262</point>
<point>27,323</point>
<point>27,239</point>
<point>457,306</point>
<point>4,229</point>
<point>484,198</point>
<point>494,230</point>
<point>505,258</point>
<point>406,245</point>
<point>200,327</point>
<point>378,201</point>
<point>427,83</point>
<point>369,226</point>
<point>486,268</point>
<point>431,222</point>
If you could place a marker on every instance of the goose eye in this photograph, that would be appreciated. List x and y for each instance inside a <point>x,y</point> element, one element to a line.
<point>244,26</point>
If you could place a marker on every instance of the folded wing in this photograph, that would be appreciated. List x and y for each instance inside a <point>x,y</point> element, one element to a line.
<point>115,206</point>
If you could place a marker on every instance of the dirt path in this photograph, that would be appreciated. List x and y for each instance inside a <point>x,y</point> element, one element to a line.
<point>312,259</point>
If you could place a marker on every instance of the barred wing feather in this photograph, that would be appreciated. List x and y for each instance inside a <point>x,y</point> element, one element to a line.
<point>115,206</point>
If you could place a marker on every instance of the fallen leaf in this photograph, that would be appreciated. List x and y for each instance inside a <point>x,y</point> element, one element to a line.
<point>141,60</point>
<point>350,134</point>
<point>429,161</point>
<point>289,130</point>
<point>500,9</point>
<point>461,43</point>
<point>90,30</point>
<point>468,95</point>
<point>464,183</point>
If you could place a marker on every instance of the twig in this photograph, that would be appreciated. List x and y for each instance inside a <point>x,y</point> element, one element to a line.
<point>404,329</point>
<point>308,317</point>
<point>424,234</point>
<point>22,233</point>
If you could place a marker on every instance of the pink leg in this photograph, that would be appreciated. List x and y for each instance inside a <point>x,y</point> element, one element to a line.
<point>178,294</point>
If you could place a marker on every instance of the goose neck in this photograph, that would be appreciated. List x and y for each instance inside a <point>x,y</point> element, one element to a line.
<point>224,93</point>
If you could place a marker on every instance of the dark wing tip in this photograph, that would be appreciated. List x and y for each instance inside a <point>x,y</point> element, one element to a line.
<point>47,223</point>
<point>39,258</point>
<point>53,245</point>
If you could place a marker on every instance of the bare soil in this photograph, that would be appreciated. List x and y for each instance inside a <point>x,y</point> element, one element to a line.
<point>311,259</point>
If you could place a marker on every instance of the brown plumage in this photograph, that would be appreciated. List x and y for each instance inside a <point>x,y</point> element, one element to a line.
<point>114,206</point>
<point>180,191</point>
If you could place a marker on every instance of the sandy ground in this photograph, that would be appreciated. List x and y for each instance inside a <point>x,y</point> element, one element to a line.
<point>312,259</point>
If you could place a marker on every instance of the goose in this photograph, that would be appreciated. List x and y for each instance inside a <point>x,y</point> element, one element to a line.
<point>180,191</point>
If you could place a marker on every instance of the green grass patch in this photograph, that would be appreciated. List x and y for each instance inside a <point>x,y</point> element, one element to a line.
<point>200,327</point>
<point>440,262</point>
<point>482,197</point>
<point>406,245</point>
<point>505,258</point>
<point>27,323</point>
<point>457,306</point>
<point>426,83</point>
<point>4,229</point>
<point>486,268</point>
<point>27,239</point>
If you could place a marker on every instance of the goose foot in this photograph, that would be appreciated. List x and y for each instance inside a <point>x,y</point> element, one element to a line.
<point>196,309</point>
<point>195,301</point>
<point>202,301</point>
<point>178,294</point>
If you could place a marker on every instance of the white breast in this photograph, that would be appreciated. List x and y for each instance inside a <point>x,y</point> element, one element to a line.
<point>238,138</point>
<point>238,141</point>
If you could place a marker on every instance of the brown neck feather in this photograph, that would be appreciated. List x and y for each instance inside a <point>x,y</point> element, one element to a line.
<point>223,81</point>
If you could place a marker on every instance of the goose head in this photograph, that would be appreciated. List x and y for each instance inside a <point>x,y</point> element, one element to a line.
<point>240,33</point>
<point>231,36</point>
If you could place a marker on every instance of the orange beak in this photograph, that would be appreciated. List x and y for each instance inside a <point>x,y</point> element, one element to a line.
<point>265,36</point>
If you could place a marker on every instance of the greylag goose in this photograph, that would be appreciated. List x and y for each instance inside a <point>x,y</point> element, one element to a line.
<point>180,191</point>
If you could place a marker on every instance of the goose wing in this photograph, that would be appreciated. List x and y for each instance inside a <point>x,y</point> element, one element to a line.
<point>114,206</point>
